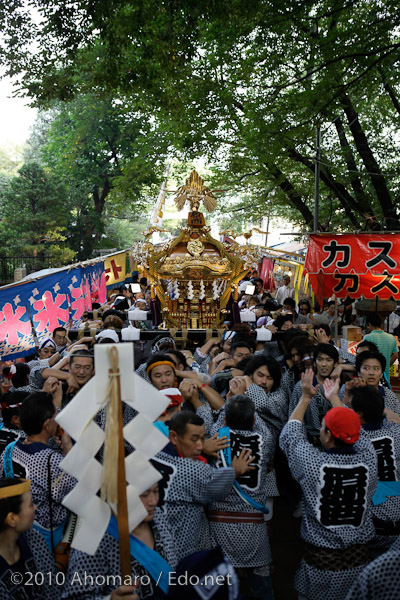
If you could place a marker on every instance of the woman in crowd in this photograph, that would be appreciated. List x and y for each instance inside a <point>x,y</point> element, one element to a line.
<point>26,567</point>
<point>152,558</point>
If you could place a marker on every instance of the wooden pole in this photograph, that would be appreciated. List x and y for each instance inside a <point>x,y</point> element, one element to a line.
<point>317,177</point>
<point>122,505</point>
<point>336,322</point>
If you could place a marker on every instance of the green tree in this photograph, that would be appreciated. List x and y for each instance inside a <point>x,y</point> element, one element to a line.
<point>99,150</point>
<point>243,84</point>
<point>11,159</point>
<point>34,219</point>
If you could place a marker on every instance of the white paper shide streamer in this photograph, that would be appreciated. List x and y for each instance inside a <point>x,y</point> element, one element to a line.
<point>202,290</point>
<point>77,419</point>
<point>176,289</point>
<point>215,290</point>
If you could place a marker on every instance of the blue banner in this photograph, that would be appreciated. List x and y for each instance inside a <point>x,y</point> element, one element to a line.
<point>16,337</point>
<point>56,300</point>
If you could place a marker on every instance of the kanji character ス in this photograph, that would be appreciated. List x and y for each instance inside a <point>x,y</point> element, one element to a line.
<point>383,256</point>
<point>385,283</point>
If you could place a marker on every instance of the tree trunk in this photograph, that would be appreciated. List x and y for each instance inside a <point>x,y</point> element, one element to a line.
<point>390,91</point>
<point>352,168</point>
<point>338,189</point>
<point>371,165</point>
<point>295,199</point>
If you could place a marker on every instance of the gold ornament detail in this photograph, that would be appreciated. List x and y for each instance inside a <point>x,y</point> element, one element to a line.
<point>194,275</point>
<point>195,247</point>
<point>194,191</point>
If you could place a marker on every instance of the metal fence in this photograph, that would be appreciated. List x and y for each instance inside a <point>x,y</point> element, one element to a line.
<point>8,264</point>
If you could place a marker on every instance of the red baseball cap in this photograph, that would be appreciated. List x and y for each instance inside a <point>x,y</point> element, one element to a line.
<point>344,424</point>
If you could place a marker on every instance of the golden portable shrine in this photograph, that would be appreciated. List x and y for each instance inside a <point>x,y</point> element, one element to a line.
<point>194,277</point>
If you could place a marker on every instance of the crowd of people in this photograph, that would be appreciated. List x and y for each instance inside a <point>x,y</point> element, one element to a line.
<point>250,419</point>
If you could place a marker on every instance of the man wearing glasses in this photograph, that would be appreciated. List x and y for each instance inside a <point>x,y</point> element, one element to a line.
<point>82,366</point>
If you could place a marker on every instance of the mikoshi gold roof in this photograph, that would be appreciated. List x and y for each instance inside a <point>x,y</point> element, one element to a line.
<point>194,275</point>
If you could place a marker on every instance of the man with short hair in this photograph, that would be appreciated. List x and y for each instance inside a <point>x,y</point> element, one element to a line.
<point>237,521</point>
<point>285,291</point>
<point>60,337</point>
<point>337,486</point>
<point>259,284</point>
<point>325,359</point>
<point>289,306</point>
<point>82,366</point>
<point>386,342</point>
<point>370,367</point>
<point>32,458</point>
<point>322,335</point>
<point>189,482</point>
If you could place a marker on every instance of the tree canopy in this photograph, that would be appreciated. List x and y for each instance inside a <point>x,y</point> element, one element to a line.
<point>96,149</point>
<point>242,84</point>
<point>33,222</point>
<point>84,182</point>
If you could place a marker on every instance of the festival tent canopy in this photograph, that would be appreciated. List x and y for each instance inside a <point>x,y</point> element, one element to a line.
<point>354,265</point>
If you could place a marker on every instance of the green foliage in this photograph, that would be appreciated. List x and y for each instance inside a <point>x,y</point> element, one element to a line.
<point>34,219</point>
<point>121,233</point>
<point>99,151</point>
<point>241,83</point>
<point>11,159</point>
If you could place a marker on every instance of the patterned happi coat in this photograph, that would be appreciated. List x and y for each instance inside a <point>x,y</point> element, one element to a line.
<point>8,435</point>
<point>31,461</point>
<point>105,563</point>
<point>386,442</point>
<point>380,580</point>
<point>187,486</point>
<point>41,580</point>
<point>337,511</point>
<point>246,544</point>
<point>271,407</point>
<point>289,379</point>
<point>316,410</point>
